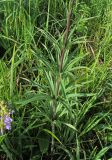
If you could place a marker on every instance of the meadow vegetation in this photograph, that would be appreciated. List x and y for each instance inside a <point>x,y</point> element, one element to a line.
<point>56,75</point>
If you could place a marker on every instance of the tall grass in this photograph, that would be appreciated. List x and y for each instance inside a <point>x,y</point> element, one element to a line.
<point>55,73</point>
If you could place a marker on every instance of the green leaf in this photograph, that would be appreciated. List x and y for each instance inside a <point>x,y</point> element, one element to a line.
<point>70,126</point>
<point>32,126</point>
<point>6,150</point>
<point>93,153</point>
<point>2,138</point>
<point>53,135</point>
<point>50,81</point>
<point>43,141</point>
<point>101,153</point>
<point>36,97</point>
<point>80,95</point>
<point>91,123</point>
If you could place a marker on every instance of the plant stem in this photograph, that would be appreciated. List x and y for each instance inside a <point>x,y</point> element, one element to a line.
<point>58,80</point>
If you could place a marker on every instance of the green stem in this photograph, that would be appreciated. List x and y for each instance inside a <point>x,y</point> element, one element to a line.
<point>58,81</point>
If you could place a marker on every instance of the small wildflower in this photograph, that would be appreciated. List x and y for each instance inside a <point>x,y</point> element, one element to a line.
<point>5,117</point>
<point>7,122</point>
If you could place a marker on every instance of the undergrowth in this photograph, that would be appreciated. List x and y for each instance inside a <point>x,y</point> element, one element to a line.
<point>56,75</point>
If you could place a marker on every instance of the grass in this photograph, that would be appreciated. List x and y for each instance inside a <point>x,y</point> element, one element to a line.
<point>55,73</point>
